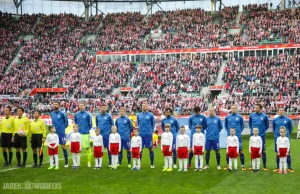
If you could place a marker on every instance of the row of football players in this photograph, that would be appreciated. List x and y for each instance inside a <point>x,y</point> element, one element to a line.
<point>212,125</point>
<point>182,148</point>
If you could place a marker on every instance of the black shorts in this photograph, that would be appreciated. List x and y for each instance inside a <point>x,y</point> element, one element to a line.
<point>36,141</point>
<point>20,142</point>
<point>6,140</point>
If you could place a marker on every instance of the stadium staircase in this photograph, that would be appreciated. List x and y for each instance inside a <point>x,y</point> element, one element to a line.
<point>36,23</point>
<point>88,38</point>
<point>237,28</point>
<point>219,81</point>
<point>98,28</point>
<point>148,36</point>
<point>15,60</point>
<point>26,38</point>
<point>56,83</point>
<point>237,20</point>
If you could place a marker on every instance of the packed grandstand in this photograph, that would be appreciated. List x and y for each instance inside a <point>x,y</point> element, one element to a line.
<point>62,53</point>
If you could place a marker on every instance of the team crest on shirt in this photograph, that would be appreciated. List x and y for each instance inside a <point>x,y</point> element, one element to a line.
<point>201,119</point>
<point>84,117</point>
<point>215,121</point>
<point>105,118</point>
<point>284,121</point>
<point>58,116</point>
<point>261,118</point>
<point>147,117</point>
<point>125,121</point>
<point>171,121</point>
<point>237,119</point>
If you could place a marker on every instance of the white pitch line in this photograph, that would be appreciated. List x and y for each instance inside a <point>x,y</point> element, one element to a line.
<point>43,163</point>
<point>31,165</point>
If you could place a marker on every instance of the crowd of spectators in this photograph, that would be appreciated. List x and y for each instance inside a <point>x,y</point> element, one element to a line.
<point>124,31</point>
<point>11,29</point>
<point>49,54</point>
<point>255,76</point>
<point>271,103</point>
<point>171,76</point>
<point>88,79</point>
<point>49,60</point>
<point>195,28</point>
<point>259,24</point>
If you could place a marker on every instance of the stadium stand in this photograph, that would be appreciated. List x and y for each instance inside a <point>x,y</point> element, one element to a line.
<point>59,56</point>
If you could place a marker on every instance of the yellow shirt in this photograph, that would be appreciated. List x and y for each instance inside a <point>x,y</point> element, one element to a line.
<point>37,127</point>
<point>155,138</point>
<point>7,125</point>
<point>133,120</point>
<point>22,123</point>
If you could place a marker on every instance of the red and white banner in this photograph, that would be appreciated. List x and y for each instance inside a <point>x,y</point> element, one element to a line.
<point>125,98</point>
<point>125,89</point>
<point>193,50</point>
<point>47,90</point>
<point>216,88</point>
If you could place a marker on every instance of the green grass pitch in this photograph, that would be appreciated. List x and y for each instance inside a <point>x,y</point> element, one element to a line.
<point>124,181</point>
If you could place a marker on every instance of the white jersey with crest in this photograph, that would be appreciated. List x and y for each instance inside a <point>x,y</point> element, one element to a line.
<point>255,142</point>
<point>182,141</point>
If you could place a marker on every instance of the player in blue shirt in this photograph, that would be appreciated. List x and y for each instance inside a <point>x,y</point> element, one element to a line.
<point>235,121</point>
<point>104,122</point>
<point>124,126</point>
<point>174,130</point>
<point>84,121</point>
<point>146,123</point>
<point>60,123</point>
<point>194,120</point>
<point>213,128</point>
<point>282,121</point>
<point>260,120</point>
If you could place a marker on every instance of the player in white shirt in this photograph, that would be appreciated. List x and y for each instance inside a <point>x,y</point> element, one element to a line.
<point>232,149</point>
<point>255,149</point>
<point>136,148</point>
<point>166,147</point>
<point>283,147</point>
<point>98,149</point>
<point>198,147</point>
<point>52,142</point>
<point>75,146</point>
<point>182,148</point>
<point>114,147</point>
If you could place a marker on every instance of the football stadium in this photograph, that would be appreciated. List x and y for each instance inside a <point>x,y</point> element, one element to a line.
<point>150,96</point>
